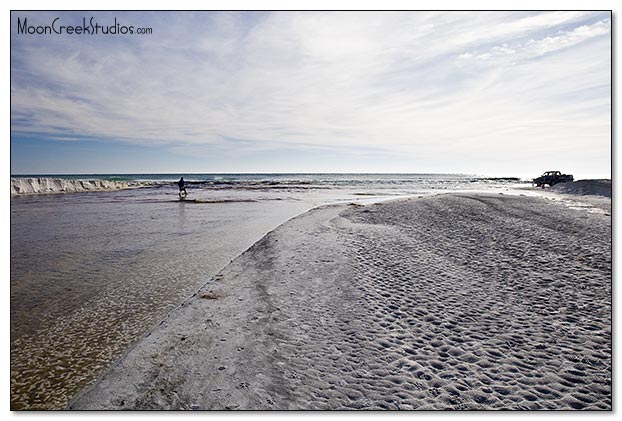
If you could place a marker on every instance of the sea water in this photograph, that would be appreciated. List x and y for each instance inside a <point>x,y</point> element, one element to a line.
<point>92,272</point>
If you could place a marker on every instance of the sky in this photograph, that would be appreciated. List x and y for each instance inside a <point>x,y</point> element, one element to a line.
<point>491,93</point>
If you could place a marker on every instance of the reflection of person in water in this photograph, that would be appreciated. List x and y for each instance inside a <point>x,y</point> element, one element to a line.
<point>182,187</point>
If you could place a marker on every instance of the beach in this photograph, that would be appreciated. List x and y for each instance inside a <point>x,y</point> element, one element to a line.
<point>446,301</point>
<point>98,261</point>
<point>311,210</point>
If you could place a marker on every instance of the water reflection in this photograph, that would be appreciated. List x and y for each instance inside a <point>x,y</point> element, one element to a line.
<point>91,272</point>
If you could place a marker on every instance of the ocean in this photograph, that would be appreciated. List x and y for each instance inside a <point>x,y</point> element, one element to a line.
<point>301,181</point>
<point>94,271</point>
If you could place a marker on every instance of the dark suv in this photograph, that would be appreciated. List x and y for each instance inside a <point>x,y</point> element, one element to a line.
<point>551,178</point>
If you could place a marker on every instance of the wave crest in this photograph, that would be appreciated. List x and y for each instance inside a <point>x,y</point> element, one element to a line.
<point>62,185</point>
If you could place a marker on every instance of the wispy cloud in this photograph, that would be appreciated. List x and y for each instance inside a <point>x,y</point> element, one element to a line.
<point>534,48</point>
<point>426,84</point>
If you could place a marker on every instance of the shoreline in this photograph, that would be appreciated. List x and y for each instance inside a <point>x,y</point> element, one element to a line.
<point>246,330</point>
<point>186,301</point>
<point>67,328</point>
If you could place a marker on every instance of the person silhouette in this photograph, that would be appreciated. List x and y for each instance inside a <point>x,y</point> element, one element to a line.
<point>182,187</point>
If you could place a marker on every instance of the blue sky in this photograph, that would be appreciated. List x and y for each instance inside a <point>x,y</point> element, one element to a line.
<point>498,93</point>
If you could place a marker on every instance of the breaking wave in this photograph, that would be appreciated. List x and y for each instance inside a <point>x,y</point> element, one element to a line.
<point>62,185</point>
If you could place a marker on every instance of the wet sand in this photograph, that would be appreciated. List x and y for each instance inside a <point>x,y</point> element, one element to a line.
<point>455,301</point>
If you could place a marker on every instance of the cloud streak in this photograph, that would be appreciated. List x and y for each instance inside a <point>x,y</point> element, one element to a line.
<point>427,84</point>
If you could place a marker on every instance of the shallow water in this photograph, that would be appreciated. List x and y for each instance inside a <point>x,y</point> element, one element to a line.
<point>92,272</point>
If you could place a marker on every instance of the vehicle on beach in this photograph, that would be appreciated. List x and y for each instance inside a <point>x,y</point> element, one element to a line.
<point>551,178</point>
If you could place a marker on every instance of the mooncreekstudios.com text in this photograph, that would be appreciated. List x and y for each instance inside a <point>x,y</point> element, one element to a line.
<point>88,27</point>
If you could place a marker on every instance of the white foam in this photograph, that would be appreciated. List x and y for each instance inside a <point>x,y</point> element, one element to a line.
<point>21,186</point>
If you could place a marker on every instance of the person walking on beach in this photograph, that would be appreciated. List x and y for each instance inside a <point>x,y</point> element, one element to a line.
<point>182,187</point>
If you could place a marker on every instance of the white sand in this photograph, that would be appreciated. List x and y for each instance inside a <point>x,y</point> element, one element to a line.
<point>585,187</point>
<point>444,302</point>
